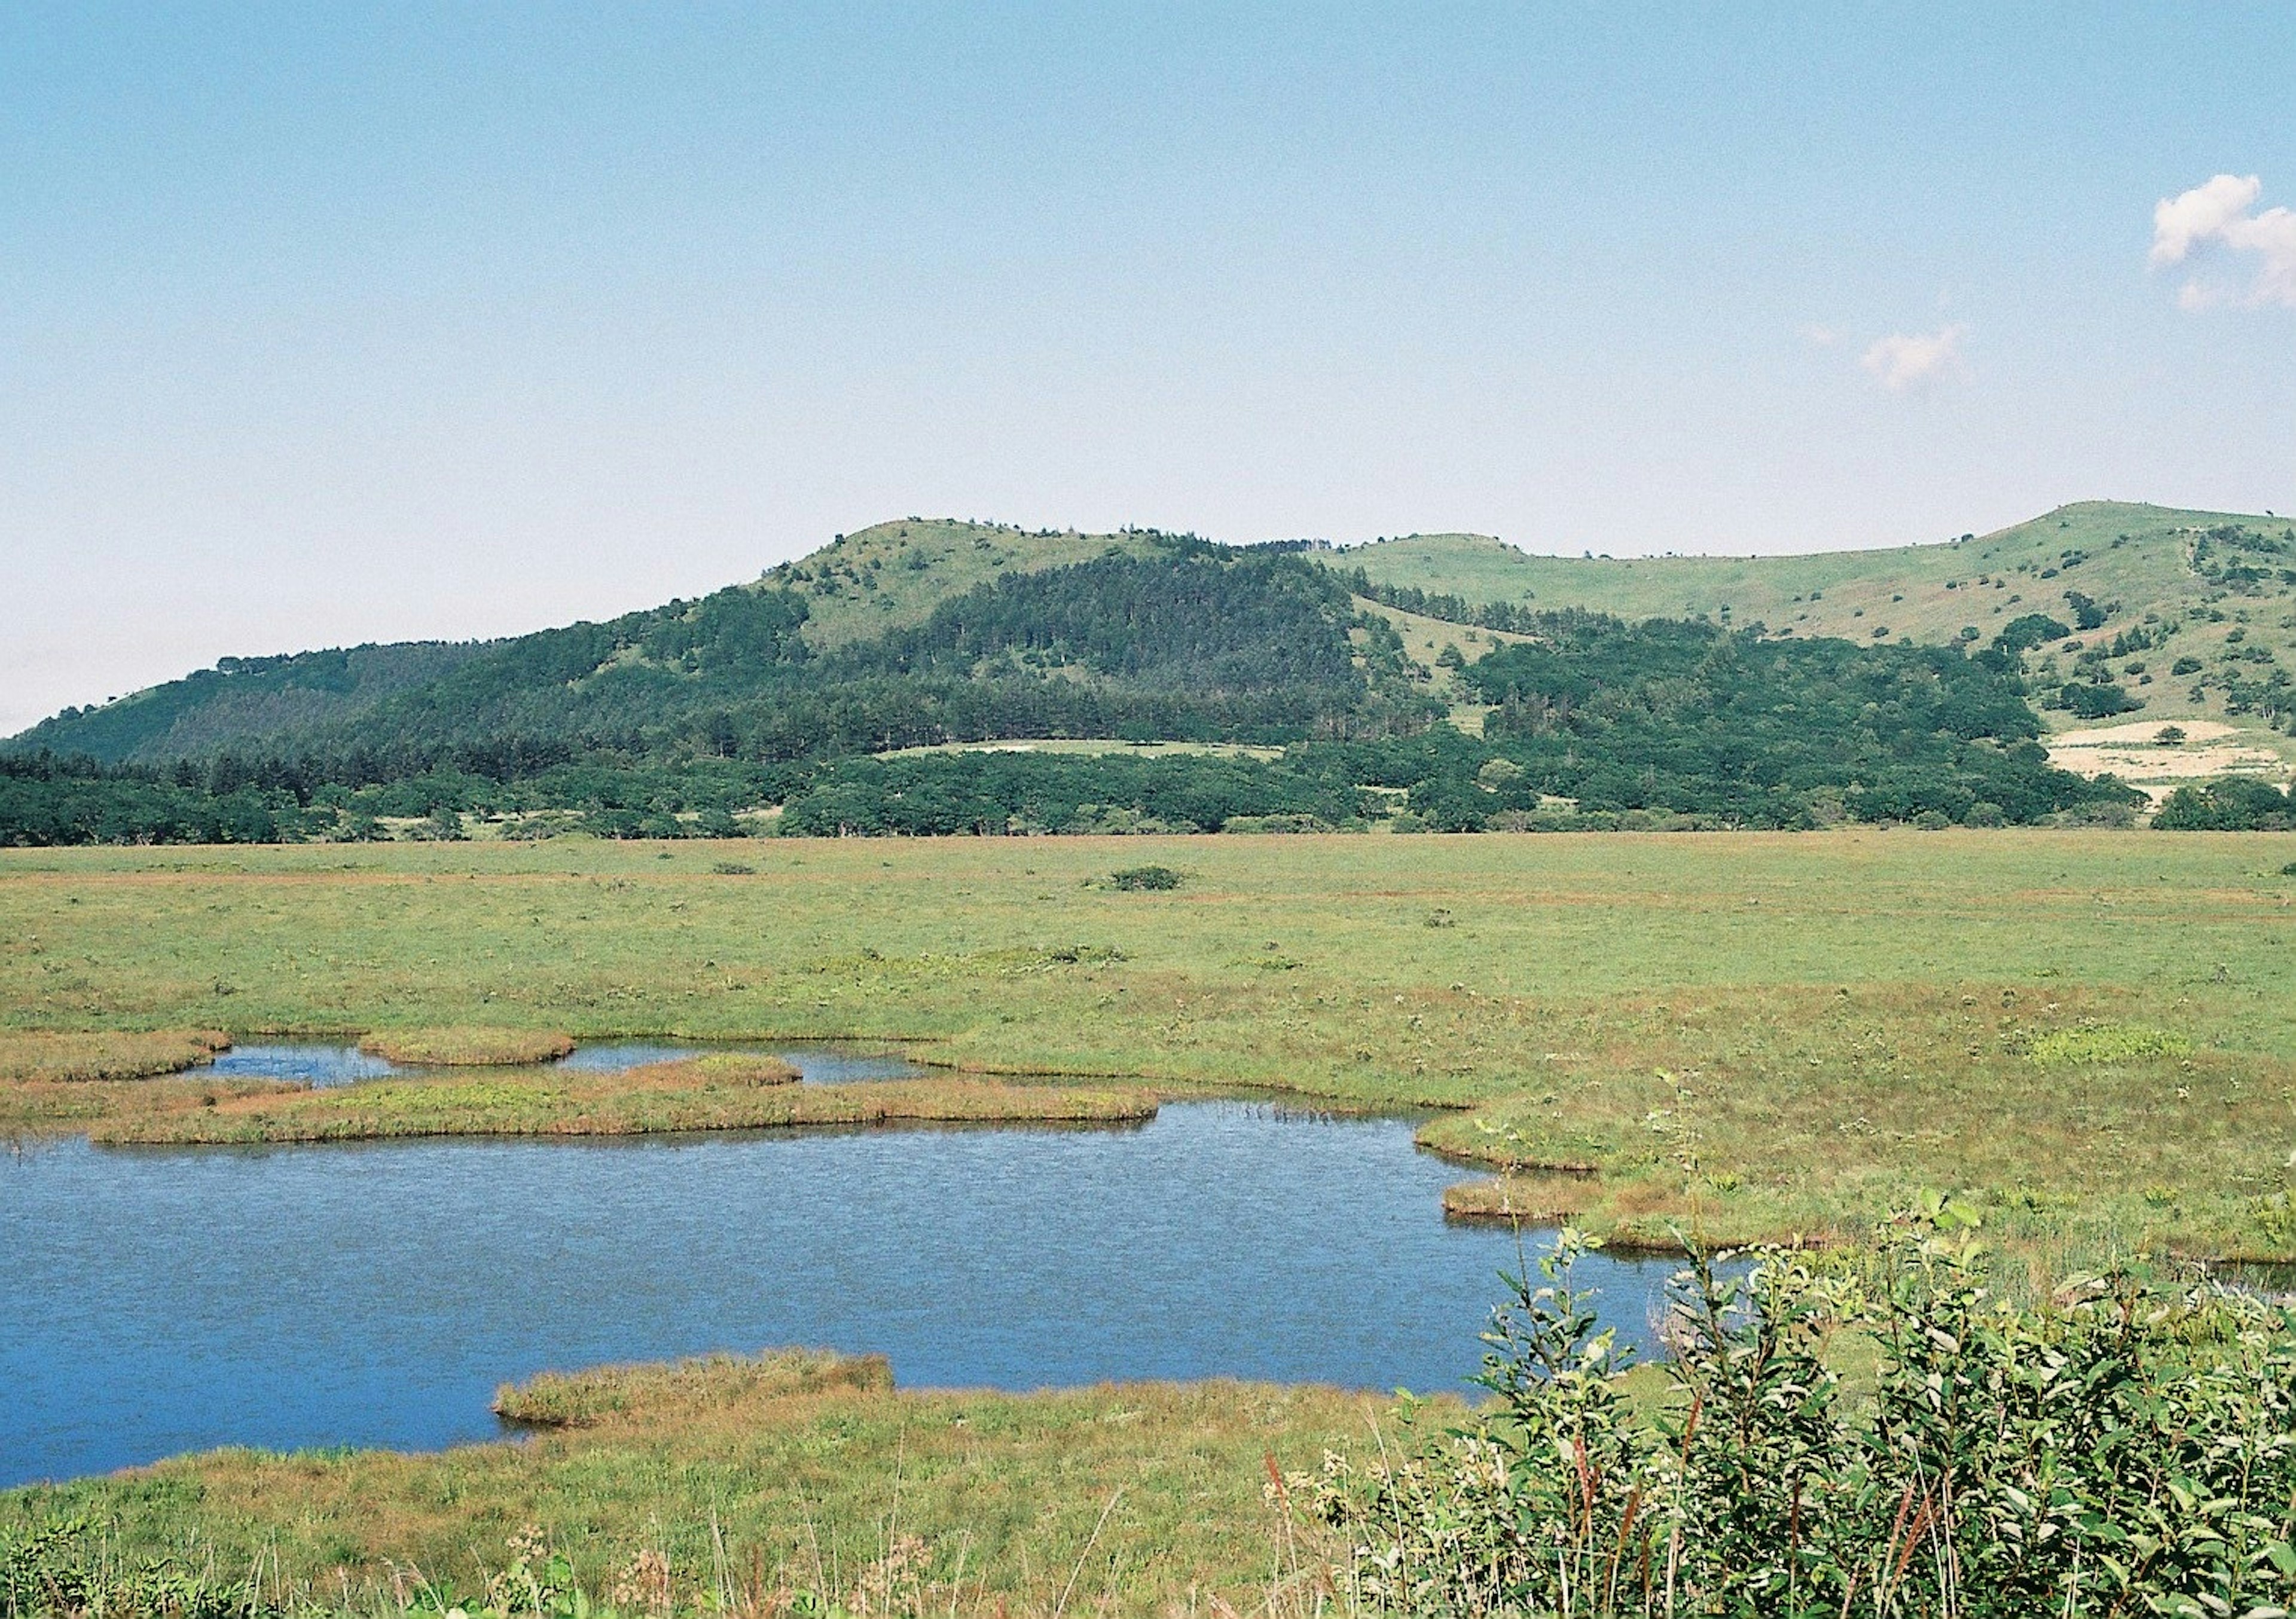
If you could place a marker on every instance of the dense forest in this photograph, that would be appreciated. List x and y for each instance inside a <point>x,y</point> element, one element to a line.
<point>715,717</point>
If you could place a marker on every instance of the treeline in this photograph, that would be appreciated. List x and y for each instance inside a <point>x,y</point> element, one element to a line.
<point>1681,715</point>
<point>1600,724</point>
<point>1441,604</point>
<point>47,801</point>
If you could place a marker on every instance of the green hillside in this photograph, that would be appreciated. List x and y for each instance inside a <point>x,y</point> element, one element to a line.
<point>892,576</point>
<point>242,698</point>
<point>2229,608</point>
<point>855,589</point>
<point>1312,683</point>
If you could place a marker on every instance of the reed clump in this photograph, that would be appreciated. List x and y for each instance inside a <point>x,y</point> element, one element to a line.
<point>47,1108</point>
<point>584,1399</point>
<point>467,1048</point>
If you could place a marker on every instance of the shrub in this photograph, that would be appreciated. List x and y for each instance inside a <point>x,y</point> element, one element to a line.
<point>1134,880</point>
<point>2121,1447</point>
<point>2032,630</point>
<point>2228,804</point>
<point>2095,702</point>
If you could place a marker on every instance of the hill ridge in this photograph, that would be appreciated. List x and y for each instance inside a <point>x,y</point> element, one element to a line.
<point>2140,563</point>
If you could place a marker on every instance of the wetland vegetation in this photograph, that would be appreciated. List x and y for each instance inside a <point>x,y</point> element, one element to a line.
<point>2085,1038</point>
<point>1746,1037</point>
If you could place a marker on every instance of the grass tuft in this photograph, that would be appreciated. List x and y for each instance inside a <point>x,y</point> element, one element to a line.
<point>716,1068</point>
<point>2097,1042</point>
<point>467,1048</point>
<point>583,1399</point>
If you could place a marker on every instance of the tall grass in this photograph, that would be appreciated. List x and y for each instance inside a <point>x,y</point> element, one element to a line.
<point>755,1485</point>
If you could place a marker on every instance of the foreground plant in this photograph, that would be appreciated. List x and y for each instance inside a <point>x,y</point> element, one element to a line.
<point>2123,1447</point>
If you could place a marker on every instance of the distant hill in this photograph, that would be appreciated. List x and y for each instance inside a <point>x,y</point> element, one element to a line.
<point>2155,573</point>
<point>1312,683</point>
<point>2169,595</point>
<point>892,577</point>
<point>908,634</point>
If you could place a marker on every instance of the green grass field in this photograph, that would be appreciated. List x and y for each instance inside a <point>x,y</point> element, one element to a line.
<point>1751,1035</point>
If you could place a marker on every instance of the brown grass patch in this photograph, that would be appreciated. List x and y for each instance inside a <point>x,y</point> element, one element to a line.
<point>556,1103</point>
<point>38,1056</point>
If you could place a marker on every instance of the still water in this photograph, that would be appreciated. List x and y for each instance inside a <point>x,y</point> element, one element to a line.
<point>159,1300</point>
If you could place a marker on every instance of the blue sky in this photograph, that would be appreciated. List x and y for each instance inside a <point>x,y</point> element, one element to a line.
<point>320,325</point>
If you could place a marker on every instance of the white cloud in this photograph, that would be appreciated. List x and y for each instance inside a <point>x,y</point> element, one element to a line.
<point>1905,358</point>
<point>2183,223</point>
<point>2216,215</point>
<point>1820,337</point>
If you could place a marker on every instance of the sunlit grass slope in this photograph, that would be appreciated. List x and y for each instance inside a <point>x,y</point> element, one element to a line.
<point>2136,556</point>
<point>893,575</point>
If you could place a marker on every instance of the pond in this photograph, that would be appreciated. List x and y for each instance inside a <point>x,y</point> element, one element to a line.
<point>159,1300</point>
<point>335,1062</point>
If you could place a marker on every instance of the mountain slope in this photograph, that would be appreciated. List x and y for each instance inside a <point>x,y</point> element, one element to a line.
<point>971,631</point>
<point>2213,587</point>
<point>927,633</point>
<point>243,698</point>
<point>740,708</point>
<point>859,587</point>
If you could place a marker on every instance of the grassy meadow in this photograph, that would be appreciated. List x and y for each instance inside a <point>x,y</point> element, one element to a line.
<point>2090,1037</point>
<point>794,1470</point>
<point>2089,1033</point>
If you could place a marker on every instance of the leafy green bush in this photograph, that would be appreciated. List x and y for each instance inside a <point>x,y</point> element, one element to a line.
<point>2095,702</point>
<point>61,1569</point>
<point>2123,1447</point>
<point>1143,878</point>
<point>2229,803</point>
